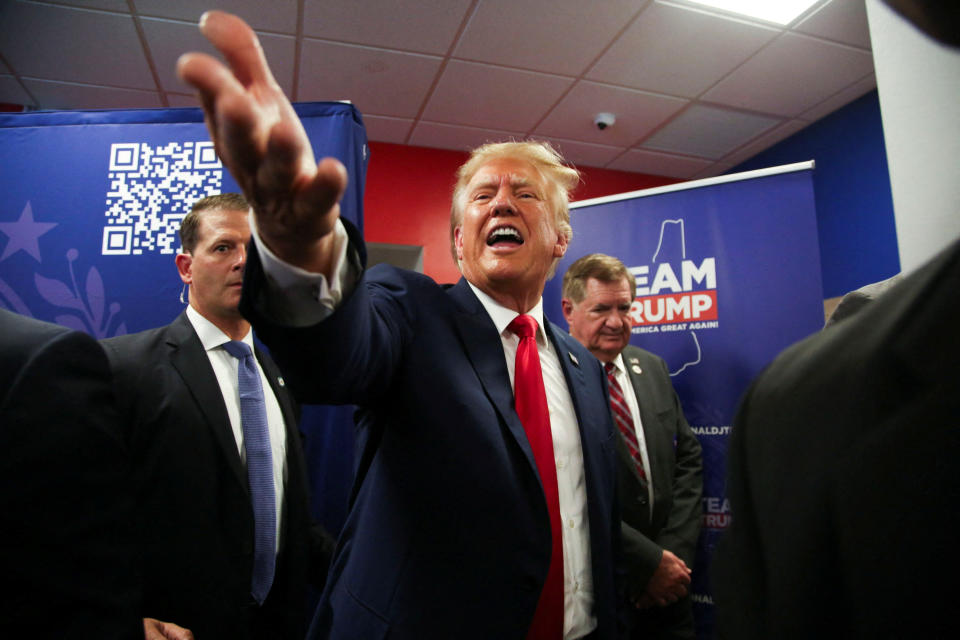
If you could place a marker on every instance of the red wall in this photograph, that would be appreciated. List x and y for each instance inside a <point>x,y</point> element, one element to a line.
<point>408,199</point>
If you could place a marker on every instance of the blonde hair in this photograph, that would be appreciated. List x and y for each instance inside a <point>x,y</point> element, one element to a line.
<point>560,180</point>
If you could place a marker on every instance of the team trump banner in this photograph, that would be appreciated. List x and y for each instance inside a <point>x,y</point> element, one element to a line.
<point>728,275</point>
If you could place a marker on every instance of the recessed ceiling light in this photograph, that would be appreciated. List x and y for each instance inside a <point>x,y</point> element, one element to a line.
<point>779,11</point>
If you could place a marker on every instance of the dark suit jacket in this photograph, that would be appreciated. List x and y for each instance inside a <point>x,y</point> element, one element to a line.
<point>195,516</point>
<point>676,468</point>
<point>842,475</point>
<point>448,534</point>
<point>66,540</point>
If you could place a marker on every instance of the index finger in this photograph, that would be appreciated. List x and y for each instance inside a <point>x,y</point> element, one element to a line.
<point>239,45</point>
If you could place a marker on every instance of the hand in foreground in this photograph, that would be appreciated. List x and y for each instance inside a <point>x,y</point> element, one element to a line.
<point>155,630</point>
<point>668,584</point>
<point>260,139</point>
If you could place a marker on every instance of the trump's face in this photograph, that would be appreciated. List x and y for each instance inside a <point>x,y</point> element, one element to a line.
<point>507,239</point>
<point>601,321</point>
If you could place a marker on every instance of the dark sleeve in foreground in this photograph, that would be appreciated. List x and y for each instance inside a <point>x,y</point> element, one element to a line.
<point>65,511</point>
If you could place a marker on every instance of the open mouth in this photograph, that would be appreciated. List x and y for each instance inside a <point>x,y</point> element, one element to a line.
<point>504,235</point>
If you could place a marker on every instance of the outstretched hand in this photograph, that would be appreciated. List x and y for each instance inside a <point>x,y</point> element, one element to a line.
<point>260,139</point>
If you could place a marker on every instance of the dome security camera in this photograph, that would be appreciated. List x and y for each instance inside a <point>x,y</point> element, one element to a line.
<point>604,120</point>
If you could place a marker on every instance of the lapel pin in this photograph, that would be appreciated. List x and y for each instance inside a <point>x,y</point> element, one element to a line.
<point>573,359</point>
<point>636,369</point>
<point>280,381</point>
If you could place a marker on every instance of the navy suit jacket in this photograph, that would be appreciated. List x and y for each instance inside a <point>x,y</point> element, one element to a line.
<point>448,534</point>
<point>194,513</point>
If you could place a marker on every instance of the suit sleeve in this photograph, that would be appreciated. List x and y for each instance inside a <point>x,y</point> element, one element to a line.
<point>349,357</point>
<point>738,582</point>
<point>643,557</point>
<point>69,548</point>
<point>683,524</point>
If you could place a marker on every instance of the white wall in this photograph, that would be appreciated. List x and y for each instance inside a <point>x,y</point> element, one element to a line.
<point>918,80</point>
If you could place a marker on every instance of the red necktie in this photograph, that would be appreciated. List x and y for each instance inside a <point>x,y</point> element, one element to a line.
<point>531,404</point>
<point>621,415</point>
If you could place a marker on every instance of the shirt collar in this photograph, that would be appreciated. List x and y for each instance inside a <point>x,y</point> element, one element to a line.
<point>502,316</point>
<point>210,335</point>
<point>618,365</point>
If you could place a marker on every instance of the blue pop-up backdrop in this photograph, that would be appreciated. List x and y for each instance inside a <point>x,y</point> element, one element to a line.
<point>728,275</point>
<point>92,201</point>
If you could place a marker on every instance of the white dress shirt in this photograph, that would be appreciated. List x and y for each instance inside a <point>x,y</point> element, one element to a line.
<point>578,618</point>
<point>296,297</point>
<point>226,367</point>
<point>623,379</point>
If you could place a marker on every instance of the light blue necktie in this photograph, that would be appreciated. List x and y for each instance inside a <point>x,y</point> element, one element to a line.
<point>256,441</point>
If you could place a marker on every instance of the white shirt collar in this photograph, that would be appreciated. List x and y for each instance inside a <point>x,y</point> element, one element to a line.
<point>210,335</point>
<point>502,316</point>
<point>618,365</point>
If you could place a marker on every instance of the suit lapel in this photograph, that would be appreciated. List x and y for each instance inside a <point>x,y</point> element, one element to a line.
<point>479,337</point>
<point>279,390</point>
<point>646,403</point>
<point>189,358</point>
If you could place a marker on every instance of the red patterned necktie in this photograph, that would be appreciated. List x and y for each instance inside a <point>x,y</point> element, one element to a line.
<point>621,415</point>
<point>531,404</point>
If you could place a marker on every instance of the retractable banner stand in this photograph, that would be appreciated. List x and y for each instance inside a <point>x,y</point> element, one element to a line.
<point>728,275</point>
<point>92,202</point>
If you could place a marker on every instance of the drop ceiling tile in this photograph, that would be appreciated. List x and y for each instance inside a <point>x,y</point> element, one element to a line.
<point>701,48</point>
<point>12,93</point>
<point>637,112</point>
<point>424,26</point>
<point>445,136</point>
<point>584,154</point>
<point>659,164</point>
<point>168,40</point>
<point>765,141</point>
<point>278,16</point>
<point>380,82</point>
<point>708,132</point>
<point>841,20</point>
<point>61,43</point>
<point>716,169</point>
<point>842,98</point>
<point>494,97</point>
<point>555,36</point>
<point>65,95</point>
<point>791,75</point>
<point>182,100</point>
<point>120,6</point>
<point>384,129</point>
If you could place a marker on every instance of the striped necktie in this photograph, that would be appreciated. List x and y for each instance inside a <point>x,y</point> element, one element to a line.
<point>621,415</point>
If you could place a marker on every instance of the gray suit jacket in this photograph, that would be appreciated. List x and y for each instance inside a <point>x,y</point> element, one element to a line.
<point>676,470</point>
<point>842,477</point>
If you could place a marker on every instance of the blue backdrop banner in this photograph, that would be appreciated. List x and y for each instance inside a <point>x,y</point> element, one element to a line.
<point>89,219</point>
<point>728,275</point>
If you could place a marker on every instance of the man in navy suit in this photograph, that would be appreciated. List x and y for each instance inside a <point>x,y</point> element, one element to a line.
<point>659,464</point>
<point>459,526</point>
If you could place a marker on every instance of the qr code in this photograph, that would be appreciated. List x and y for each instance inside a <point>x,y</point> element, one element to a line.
<point>151,189</point>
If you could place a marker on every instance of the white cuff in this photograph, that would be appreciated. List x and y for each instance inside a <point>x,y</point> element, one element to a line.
<point>298,297</point>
